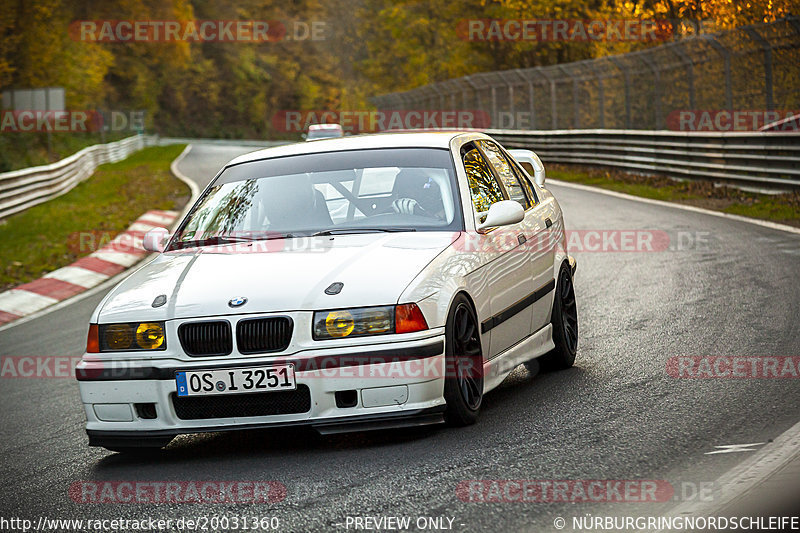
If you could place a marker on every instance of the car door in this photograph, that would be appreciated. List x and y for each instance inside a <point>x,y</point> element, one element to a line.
<point>545,229</point>
<point>504,276</point>
<point>539,246</point>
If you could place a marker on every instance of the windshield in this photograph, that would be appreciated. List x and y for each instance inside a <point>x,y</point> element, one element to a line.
<point>382,190</point>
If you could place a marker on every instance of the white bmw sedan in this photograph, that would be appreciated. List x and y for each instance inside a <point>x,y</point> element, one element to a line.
<point>348,284</point>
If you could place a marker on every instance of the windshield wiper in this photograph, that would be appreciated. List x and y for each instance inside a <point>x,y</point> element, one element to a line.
<point>346,231</point>
<point>217,241</point>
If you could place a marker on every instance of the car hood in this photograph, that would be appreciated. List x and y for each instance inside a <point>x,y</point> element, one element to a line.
<point>275,276</point>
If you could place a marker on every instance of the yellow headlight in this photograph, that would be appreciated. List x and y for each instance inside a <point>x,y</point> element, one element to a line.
<point>150,335</point>
<point>339,323</point>
<point>119,336</point>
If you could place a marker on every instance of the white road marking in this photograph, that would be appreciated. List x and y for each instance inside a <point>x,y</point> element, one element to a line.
<point>755,221</point>
<point>735,448</point>
<point>155,218</point>
<point>126,241</point>
<point>193,187</point>
<point>142,225</point>
<point>745,476</point>
<point>21,302</point>
<point>118,258</point>
<point>78,276</point>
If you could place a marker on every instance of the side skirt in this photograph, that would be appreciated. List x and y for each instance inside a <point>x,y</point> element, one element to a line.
<point>531,347</point>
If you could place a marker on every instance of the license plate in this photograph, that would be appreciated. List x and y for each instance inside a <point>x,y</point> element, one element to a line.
<point>235,380</point>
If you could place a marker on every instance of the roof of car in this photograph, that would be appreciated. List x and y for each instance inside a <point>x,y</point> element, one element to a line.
<point>325,127</point>
<point>438,139</point>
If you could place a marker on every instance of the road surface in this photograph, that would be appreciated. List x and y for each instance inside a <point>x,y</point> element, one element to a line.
<point>725,288</point>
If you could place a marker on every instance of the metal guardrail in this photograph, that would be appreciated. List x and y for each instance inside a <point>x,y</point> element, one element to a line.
<point>24,188</point>
<point>255,143</point>
<point>750,159</point>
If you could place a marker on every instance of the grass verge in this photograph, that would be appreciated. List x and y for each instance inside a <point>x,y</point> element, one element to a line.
<point>45,237</point>
<point>781,208</point>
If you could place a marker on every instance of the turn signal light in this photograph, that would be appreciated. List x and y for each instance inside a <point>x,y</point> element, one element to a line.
<point>93,339</point>
<point>409,318</point>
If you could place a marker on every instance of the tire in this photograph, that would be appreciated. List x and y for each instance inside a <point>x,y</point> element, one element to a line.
<point>565,325</point>
<point>463,385</point>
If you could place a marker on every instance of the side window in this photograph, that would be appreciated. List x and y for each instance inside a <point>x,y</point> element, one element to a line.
<point>483,186</point>
<point>525,179</point>
<point>506,172</point>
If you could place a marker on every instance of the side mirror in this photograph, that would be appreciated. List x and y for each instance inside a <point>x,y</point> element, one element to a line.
<point>531,163</point>
<point>538,177</point>
<point>155,240</point>
<point>503,213</point>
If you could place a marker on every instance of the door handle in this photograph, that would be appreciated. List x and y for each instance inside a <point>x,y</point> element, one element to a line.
<point>548,222</point>
<point>522,239</point>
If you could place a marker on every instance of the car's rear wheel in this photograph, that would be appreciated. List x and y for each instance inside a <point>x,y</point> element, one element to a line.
<point>565,324</point>
<point>463,386</point>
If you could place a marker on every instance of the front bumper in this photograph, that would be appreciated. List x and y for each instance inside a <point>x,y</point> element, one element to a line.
<point>396,384</point>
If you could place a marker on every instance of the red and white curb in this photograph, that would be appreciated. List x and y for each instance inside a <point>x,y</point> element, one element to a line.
<point>121,253</point>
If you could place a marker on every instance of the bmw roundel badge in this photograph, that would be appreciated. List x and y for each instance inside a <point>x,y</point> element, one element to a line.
<point>237,302</point>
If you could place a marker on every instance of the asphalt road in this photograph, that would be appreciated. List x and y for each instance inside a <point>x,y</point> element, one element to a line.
<point>616,415</point>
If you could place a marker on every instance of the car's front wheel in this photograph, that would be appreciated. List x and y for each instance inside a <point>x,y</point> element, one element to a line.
<point>463,386</point>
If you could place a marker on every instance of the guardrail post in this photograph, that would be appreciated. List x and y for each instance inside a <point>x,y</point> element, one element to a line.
<point>529,74</point>
<point>511,100</point>
<point>510,89</point>
<point>553,112</point>
<point>656,88</point>
<point>765,46</point>
<point>494,105</point>
<point>600,96</point>
<point>477,93</point>
<point>576,115</point>
<point>627,77</point>
<point>726,58</point>
<point>435,87</point>
<point>689,64</point>
<point>404,98</point>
